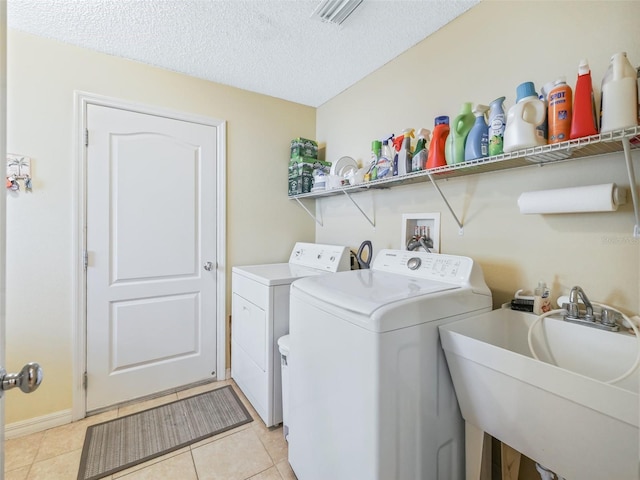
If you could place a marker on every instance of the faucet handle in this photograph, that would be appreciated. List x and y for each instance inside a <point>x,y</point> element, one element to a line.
<point>608,317</point>
<point>572,309</point>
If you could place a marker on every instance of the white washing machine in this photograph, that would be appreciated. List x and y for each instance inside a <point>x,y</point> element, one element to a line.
<point>260,315</point>
<point>370,392</point>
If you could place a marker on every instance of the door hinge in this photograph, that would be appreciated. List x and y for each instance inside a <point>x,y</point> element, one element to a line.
<point>85,259</point>
<point>86,137</point>
<point>85,380</point>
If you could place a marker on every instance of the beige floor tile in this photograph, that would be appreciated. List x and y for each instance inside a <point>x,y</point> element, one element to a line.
<point>22,451</point>
<point>153,461</point>
<point>247,404</point>
<point>273,440</point>
<point>154,402</point>
<point>207,387</point>
<point>285,470</point>
<point>19,474</point>
<point>177,467</point>
<point>69,437</point>
<point>221,435</point>
<point>235,457</point>
<point>62,467</point>
<point>270,474</point>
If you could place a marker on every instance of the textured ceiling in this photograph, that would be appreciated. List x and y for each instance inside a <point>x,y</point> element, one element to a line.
<point>271,47</point>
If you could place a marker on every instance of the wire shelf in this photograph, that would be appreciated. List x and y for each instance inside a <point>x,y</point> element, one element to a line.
<point>600,144</point>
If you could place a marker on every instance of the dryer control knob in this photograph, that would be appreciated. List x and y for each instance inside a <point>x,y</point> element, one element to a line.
<point>414,263</point>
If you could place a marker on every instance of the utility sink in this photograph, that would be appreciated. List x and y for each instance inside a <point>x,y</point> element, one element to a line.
<point>558,410</point>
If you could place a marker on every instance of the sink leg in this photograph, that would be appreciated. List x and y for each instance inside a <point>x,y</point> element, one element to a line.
<point>510,462</point>
<point>477,458</point>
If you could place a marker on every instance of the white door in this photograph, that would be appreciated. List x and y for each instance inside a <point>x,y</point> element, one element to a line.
<point>151,254</point>
<point>30,377</point>
<point>3,203</point>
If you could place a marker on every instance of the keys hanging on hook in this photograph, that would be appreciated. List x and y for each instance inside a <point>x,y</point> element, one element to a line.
<point>27,184</point>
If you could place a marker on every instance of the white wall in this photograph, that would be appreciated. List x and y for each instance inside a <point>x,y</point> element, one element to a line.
<point>262,224</point>
<point>478,57</point>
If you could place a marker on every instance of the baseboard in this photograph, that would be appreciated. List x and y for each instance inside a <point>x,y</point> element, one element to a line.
<point>37,424</point>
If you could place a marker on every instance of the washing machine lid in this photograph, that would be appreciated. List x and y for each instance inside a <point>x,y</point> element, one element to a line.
<point>365,291</point>
<point>276,273</point>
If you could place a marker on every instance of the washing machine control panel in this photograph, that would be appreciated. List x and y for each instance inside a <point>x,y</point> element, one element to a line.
<point>435,266</point>
<point>329,258</point>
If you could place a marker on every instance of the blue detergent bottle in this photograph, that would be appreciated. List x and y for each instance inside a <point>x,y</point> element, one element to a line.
<point>477,145</point>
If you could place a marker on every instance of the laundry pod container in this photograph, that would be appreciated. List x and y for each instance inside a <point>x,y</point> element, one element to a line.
<point>283,346</point>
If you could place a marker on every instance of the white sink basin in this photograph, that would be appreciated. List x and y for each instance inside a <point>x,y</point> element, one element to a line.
<point>562,415</point>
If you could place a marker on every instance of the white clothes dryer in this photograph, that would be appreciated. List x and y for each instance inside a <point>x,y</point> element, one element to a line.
<point>371,396</point>
<point>260,315</point>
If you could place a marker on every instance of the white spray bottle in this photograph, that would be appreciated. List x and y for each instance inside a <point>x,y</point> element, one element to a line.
<point>419,160</point>
<point>405,156</point>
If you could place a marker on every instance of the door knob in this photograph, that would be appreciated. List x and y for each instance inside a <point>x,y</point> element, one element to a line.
<point>208,266</point>
<point>28,379</point>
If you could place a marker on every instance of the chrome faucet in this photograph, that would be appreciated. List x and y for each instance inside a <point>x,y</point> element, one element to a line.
<point>607,320</point>
<point>575,296</point>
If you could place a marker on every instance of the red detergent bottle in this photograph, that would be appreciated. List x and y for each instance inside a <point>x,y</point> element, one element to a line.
<point>584,119</point>
<point>436,156</point>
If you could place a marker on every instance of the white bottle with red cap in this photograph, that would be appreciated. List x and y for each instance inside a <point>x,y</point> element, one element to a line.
<point>619,107</point>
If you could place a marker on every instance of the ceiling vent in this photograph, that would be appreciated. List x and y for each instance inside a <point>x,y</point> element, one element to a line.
<point>335,11</point>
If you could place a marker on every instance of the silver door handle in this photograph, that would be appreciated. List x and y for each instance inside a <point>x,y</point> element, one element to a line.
<point>28,379</point>
<point>208,266</point>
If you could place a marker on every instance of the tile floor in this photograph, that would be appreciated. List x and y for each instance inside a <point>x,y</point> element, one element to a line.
<point>251,451</point>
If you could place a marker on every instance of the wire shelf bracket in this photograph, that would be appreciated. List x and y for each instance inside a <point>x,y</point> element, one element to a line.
<point>453,214</point>
<point>319,222</point>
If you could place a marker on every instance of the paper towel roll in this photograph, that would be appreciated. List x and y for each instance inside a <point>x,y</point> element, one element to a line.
<point>593,198</point>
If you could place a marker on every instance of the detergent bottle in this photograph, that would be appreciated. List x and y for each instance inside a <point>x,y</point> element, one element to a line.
<point>477,145</point>
<point>619,95</point>
<point>397,146</point>
<point>404,155</point>
<point>583,118</point>
<point>462,124</point>
<point>372,172</point>
<point>560,111</point>
<point>385,162</point>
<point>524,120</point>
<point>419,160</point>
<point>496,126</point>
<point>436,157</point>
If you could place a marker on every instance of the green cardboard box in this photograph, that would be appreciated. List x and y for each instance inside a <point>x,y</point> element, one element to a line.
<point>303,147</point>
<point>301,172</point>
<point>300,184</point>
<point>306,165</point>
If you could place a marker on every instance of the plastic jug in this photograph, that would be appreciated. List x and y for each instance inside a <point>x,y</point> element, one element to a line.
<point>477,145</point>
<point>619,95</point>
<point>462,124</point>
<point>524,120</point>
<point>496,126</point>
<point>436,156</point>
<point>583,119</point>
